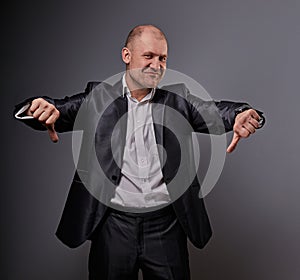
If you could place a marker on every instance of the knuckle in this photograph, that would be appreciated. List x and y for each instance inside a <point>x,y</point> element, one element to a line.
<point>34,101</point>
<point>41,119</point>
<point>52,108</point>
<point>35,114</point>
<point>46,106</point>
<point>39,101</point>
<point>251,111</point>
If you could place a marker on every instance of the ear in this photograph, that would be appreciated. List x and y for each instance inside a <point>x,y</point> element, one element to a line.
<point>126,55</point>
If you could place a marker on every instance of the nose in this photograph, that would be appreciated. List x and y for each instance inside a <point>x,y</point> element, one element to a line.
<point>155,64</point>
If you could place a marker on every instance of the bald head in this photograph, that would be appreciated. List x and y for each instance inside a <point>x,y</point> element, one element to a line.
<point>137,32</point>
<point>145,55</point>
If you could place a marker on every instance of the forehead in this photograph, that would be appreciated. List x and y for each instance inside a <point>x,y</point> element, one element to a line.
<point>150,41</point>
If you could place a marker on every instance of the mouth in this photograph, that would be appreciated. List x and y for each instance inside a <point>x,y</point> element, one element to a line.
<point>153,73</point>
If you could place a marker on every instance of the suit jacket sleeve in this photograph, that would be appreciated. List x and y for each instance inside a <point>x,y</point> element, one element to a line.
<point>68,108</point>
<point>215,117</point>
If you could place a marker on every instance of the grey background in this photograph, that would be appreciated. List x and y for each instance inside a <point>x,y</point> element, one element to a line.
<point>237,49</point>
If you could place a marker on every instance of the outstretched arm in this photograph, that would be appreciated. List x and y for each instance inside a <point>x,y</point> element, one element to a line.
<point>236,116</point>
<point>45,113</point>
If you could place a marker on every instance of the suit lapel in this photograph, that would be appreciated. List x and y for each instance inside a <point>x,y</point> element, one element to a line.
<point>120,128</point>
<point>158,116</point>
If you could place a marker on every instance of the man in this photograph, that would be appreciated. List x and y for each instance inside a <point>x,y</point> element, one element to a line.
<point>134,214</point>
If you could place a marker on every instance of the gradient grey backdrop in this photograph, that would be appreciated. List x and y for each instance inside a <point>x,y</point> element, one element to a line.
<point>237,49</point>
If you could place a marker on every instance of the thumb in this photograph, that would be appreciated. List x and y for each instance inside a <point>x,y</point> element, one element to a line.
<point>234,142</point>
<point>52,133</point>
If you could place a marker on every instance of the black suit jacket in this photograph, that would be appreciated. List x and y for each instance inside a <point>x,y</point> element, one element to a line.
<point>103,106</point>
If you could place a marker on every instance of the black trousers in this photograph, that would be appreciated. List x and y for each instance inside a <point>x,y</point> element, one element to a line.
<point>126,242</point>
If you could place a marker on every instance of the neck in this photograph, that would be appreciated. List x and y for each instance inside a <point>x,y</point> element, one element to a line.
<point>139,94</point>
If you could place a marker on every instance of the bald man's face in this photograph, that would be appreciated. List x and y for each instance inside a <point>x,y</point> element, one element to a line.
<point>146,60</point>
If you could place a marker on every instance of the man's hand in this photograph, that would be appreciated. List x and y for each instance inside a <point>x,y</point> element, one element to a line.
<point>245,124</point>
<point>46,113</point>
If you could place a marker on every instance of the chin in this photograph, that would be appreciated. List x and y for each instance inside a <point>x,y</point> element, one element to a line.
<point>151,83</point>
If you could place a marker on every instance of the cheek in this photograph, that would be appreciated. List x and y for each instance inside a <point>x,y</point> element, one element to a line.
<point>134,64</point>
<point>140,63</point>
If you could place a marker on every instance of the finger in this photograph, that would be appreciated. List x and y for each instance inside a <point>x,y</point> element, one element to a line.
<point>249,127</point>
<point>242,131</point>
<point>254,123</point>
<point>44,116</point>
<point>234,142</point>
<point>36,103</point>
<point>49,116</point>
<point>52,118</point>
<point>254,115</point>
<point>245,126</point>
<point>37,113</point>
<point>52,133</point>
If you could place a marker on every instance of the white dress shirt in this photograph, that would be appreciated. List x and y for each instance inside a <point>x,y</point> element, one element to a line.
<point>141,184</point>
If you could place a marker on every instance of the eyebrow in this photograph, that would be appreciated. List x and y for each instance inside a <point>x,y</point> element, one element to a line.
<point>152,53</point>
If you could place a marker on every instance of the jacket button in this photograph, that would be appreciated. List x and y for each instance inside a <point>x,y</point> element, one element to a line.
<point>114,177</point>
